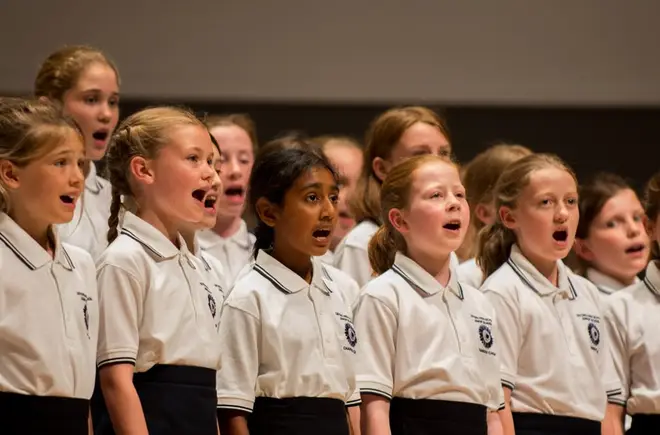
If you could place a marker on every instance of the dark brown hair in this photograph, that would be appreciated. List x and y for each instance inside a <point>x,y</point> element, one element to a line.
<point>652,207</point>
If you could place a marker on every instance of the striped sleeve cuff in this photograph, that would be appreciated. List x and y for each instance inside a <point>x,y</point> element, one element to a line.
<point>501,407</point>
<point>356,402</point>
<point>509,384</point>
<point>113,361</point>
<point>122,356</point>
<point>235,404</point>
<point>376,388</point>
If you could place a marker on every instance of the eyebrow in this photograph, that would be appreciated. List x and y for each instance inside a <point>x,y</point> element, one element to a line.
<point>318,186</point>
<point>112,94</point>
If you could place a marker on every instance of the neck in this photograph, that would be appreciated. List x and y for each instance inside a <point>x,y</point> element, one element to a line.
<point>227,226</point>
<point>547,268</point>
<point>38,231</point>
<point>160,223</point>
<point>86,167</point>
<point>189,239</point>
<point>299,263</point>
<point>436,266</point>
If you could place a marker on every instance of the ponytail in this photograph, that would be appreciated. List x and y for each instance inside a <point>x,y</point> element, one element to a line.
<point>494,244</point>
<point>383,247</point>
<point>265,236</point>
<point>113,220</point>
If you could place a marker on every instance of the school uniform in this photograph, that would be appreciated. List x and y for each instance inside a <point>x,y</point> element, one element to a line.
<point>554,349</point>
<point>328,258</point>
<point>470,273</point>
<point>48,334</point>
<point>159,311</point>
<point>233,252</point>
<point>605,284</point>
<point>351,256</point>
<point>632,320</point>
<point>289,350</point>
<point>430,350</point>
<point>89,227</point>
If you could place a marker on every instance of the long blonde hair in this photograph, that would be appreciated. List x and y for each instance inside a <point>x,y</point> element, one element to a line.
<point>395,194</point>
<point>383,135</point>
<point>142,134</point>
<point>29,129</point>
<point>494,241</point>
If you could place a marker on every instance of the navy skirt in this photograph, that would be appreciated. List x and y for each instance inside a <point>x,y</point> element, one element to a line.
<point>298,416</point>
<point>426,417</point>
<point>38,415</point>
<point>529,423</point>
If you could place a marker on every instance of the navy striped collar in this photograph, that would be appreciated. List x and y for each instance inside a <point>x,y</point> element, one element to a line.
<point>652,278</point>
<point>533,279</point>
<point>27,250</point>
<point>420,280</point>
<point>287,281</point>
<point>153,241</point>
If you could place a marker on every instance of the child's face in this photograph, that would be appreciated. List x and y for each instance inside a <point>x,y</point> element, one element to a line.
<point>617,244</point>
<point>305,221</point>
<point>438,216</point>
<point>235,167</point>
<point>94,103</point>
<point>546,215</point>
<point>347,160</point>
<point>419,139</point>
<point>182,181</point>
<point>48,188</point>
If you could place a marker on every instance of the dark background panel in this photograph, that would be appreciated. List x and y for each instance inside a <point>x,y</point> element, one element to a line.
<point>621,140</point>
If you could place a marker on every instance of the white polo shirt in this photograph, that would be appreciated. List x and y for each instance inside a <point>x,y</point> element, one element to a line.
<point>48,317</point>
<point>470,273</point>
<point>159,304</point>
<point>554,347</point>
<point>283,337</point>
<point>420,340</point>
<point>604,283</point>
<point>632,318</point>
<point>233,252</point>
<point>89,227</point>
<point>351,256</point>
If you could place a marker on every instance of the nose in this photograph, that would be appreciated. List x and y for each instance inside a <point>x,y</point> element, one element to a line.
<point>105,113</point>
<point>78,176</point>
<point>232,168</point>
<point>561,214</point>
<point>453,203</point>
<point>634,228</point>
<point>328,208</point>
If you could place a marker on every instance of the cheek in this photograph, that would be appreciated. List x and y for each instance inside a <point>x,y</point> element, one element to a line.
<point>81,114</point>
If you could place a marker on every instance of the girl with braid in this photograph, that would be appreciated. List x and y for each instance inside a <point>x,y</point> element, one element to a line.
<point>158,347</point>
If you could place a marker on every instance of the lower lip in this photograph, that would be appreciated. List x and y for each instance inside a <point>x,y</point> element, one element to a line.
<point>453,232</point>
<point>235,199</point>
<point>637,254</point>
<point>561,244</point>
<point>322,241</point>
<point>69,206</point>
<point>100,144</point>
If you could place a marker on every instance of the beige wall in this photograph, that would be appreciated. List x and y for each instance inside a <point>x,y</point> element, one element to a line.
<point>444,51</point>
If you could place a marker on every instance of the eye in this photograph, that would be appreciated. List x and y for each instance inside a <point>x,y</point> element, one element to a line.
<point>113,101</point>
<point>334,198</point>
<point>193,158</point>
<point>444,153</point>
<point>572,201</point>
<point>436,195</point>
<point>91,99</point>
<point>460,195</point>
<point>312,197</point>
<point>81,163</point>
<point>638,218</point>
<point>610,224</point>
<point>245,161</point>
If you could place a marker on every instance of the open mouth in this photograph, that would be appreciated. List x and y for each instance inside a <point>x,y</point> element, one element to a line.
<point>634,249</point>
<point>67,199</point>
<point>206,198</point>
<point>100,135</point>
<point>452,225</point>
<point>235,192</point>
<point>560,236</point>
<point>321,233</point>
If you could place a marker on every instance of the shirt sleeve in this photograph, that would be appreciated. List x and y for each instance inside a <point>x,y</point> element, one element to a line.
<point>376,326</point>
<point>354,262</point>
<point>510,333</point>
<point>120,313</point>
<point>236,380</point>
<point>619,365</point>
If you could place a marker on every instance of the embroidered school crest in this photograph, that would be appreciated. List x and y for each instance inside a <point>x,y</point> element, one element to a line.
<point>85,299</point>
<point>351,336</point>
<point>485,336</point>
<point>594,334</point>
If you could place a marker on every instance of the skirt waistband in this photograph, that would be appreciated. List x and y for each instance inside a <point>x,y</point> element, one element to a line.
<point>555,424</point>
<point>183,375</point>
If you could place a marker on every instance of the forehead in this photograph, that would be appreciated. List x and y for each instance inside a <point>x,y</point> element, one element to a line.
<point>315,175</point>
<point>65,140</point>
<point>190,136</point>
<point>98,75</point>
<point>550,180</point>
<point>343,155</point>
<point>439,173</point>
<point>422,133</point>
<point>623,200</point>
<point>232,137</point>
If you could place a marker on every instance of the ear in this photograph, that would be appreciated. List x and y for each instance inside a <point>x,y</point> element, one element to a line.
<point>508,217</point>
<point>380,167</point>
<point>9,174</point>
<point>582,250</point>
<point>267,211</point>
<point>141,170</point>
<point>396,218</point>
<point>485,213</point>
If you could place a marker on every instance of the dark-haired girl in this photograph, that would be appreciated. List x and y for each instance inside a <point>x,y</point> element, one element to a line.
<point>287,332</point>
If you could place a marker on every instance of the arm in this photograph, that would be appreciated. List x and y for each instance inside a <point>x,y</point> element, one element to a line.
<point>354,420</point>
<point>613,422</point>
<point>506,418</point>
<point>494,423</point>
<point>616,365</point>
<point>240,335</point>
<point>90,426</point>
<point>375,415</point>
<point>122,400</point>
